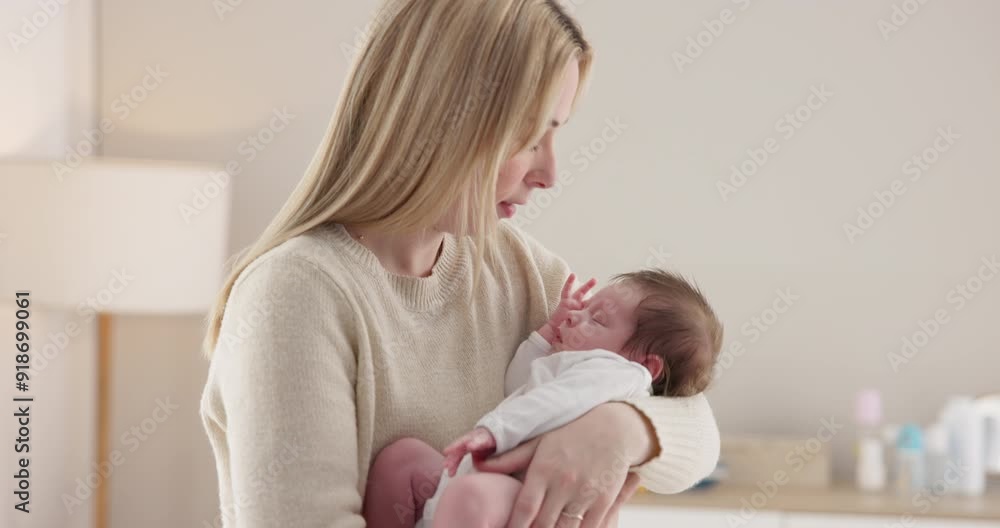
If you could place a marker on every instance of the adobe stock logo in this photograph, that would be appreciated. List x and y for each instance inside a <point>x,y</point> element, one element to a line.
<point>788,126</point>
<point>959,297</point>
<point>755,328</point>
<point>915,167</point>
<point>30,27</point>
<point>899,17</point>
<point>122,107</point>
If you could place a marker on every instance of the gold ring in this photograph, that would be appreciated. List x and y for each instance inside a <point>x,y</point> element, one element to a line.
<point>578,516</point>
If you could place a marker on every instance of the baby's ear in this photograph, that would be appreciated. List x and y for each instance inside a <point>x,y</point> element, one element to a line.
<point>654,364</point>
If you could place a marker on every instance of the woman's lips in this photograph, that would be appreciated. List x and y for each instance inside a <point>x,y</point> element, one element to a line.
<point>506,209</point>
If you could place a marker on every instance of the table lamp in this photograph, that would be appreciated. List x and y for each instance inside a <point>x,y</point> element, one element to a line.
<point>116,236</point>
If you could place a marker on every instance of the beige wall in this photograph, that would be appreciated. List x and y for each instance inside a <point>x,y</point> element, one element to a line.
<point>49,49</point>
<point>650,197</point>
<point>47,63</point>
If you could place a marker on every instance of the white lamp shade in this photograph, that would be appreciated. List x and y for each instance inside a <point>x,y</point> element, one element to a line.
<point>114,235</point>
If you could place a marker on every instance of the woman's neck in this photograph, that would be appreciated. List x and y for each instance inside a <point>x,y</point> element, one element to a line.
<point>412,255</point>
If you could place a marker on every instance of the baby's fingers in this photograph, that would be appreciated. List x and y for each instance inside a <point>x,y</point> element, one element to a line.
<point>582,291</point>
<point>568,287</point>
<point>451,464</point>
<point>458,446</point>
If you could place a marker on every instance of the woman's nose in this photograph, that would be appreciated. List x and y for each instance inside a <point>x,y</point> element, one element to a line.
<point>542,179</point>
<point>544,174</point>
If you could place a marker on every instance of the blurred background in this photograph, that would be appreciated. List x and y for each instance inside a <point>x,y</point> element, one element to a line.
<point>826,172</point>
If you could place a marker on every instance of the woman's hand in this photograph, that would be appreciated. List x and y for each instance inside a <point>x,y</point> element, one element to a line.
<point>580,469</point>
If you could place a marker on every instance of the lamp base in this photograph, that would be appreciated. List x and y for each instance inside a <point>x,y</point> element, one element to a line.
<point>104,328</point>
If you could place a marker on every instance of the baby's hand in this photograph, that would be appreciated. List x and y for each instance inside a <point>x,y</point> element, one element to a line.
<point>479,441</point>
<point>568,301</point>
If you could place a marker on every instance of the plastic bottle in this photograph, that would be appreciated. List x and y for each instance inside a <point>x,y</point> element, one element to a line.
<point>911,476</point>
<point>870,474</point>
<point>967,445</point>
<point>936,440</point>
<point>890,434</point>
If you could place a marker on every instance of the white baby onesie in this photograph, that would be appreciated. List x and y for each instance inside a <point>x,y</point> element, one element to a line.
<point>546,391</point>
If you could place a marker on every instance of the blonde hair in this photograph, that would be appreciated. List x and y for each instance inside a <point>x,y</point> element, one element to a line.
<point>441,95</point>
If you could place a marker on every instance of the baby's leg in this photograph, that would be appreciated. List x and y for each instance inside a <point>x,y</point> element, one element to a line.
<point>404,475</point>
<point>480,500</point>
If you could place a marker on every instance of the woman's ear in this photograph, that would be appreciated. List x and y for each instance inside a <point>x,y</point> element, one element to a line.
<point>654,364</point>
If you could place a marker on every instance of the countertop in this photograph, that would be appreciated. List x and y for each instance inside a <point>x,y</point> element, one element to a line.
<point>841,499</point>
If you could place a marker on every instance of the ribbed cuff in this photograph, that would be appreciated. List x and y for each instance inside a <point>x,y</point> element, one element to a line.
<point>689,442</point>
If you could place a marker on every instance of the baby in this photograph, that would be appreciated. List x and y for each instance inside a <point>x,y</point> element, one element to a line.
<point>647,332</point>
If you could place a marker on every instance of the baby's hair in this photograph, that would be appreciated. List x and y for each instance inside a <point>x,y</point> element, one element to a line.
<point>675,322</point>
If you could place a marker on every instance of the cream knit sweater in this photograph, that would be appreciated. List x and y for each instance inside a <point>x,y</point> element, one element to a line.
<point>325,357</point>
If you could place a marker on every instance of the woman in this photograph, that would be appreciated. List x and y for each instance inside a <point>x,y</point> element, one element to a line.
<point>386,298</point>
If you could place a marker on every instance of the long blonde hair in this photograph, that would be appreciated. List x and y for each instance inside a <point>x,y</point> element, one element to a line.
<point>442,93</point>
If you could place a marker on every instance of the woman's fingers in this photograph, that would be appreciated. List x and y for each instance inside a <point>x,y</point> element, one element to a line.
<point>512,461</point>
<point>627,490</point>
<point>577,469</point>
<point>527,503</point>
<point>600,502</point>
<point>557,501</point>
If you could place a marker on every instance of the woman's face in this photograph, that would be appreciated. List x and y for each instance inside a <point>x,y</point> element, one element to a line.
<point>535,166</point>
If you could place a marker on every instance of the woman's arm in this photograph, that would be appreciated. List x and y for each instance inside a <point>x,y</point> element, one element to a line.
<point>583,467</point>
<point>677,441</point>
<point>285,373</point>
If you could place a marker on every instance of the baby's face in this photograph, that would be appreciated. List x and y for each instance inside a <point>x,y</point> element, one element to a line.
<point>607,322</point>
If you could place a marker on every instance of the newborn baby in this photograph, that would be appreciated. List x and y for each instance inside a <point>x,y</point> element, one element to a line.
<point>647,332</point>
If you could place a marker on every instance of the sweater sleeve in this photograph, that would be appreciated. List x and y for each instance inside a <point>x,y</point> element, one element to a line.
<point>286,381</point>
<point>688,439</point>
<point>686,432</point>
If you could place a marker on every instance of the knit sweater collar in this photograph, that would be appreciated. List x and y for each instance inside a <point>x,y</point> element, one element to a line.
<point>418,293</point>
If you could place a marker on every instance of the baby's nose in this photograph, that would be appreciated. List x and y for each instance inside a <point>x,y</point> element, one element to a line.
<point>575,318</point>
